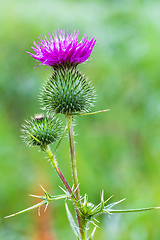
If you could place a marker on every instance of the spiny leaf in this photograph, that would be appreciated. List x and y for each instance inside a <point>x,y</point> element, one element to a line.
<point>46,199</point>
<point>28,209</point>
<point>133,210</point>
<point>72,222</point>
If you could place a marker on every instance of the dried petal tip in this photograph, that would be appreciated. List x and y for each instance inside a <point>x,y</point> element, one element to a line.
<point>63,50</point>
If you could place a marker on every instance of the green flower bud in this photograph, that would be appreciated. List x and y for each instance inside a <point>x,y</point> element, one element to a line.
<point>41,131</point>
<point>67,92</point>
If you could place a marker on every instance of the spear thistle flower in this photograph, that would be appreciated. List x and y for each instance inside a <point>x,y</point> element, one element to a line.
<point>63,50</point>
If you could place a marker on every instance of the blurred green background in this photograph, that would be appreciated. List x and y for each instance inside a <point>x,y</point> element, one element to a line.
<point>118,151</point>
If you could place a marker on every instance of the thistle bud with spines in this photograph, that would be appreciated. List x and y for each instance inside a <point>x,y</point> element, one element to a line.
<point>41,130</point>
<point>68,92</point>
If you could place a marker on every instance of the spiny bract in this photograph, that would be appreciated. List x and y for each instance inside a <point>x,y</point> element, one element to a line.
<point>41,131</point>
<point>67,92</point>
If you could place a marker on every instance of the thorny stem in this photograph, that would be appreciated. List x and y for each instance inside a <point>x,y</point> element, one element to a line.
<point>55,165</point>
<point>73,157</point>
<point>74,172</point>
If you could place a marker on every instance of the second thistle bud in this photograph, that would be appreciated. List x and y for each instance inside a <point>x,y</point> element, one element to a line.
<point>67,92</point>
<point>41,131</point>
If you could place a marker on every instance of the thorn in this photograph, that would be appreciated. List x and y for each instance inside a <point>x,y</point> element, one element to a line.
<point>42,188</point>
<point>85,198</point>
<point>90,113</point>
<point>109,215</point>
<point>96,220</point>
<point>35,138</point>
<point>46,207</point>
<point>93,231</point>
<point>108,199</point>
<point>39,213</point>
<point>41,197</point>
<point>121,200</point>
<point>12,215</point>
<point>94,224</point>
<point>63,189</point>
<point>72,187</point>
<point>76,188</point>
<point>102,196</point>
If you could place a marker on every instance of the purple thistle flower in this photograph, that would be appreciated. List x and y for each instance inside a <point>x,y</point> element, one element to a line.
<point>63,50</point>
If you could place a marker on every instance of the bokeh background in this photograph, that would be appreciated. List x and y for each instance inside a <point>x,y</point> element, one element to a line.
<point>118,151</point>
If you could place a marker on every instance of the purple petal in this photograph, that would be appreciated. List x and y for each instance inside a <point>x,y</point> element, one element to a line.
<point>63,50</point>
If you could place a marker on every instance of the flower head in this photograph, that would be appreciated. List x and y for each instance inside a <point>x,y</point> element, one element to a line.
<point>41,131</point>
<point>63,50</point>
<point>67,92</point>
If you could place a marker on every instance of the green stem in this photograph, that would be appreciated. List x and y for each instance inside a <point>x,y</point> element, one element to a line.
<point>81,222</point>
<point>73,157</point>
<point>83,233</point>
<point>55,165</point>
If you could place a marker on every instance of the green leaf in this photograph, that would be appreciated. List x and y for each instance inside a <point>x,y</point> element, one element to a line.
<point>46,200</point>
<point>72,222</point>
<point>28,209</point>
<point>133,210</point>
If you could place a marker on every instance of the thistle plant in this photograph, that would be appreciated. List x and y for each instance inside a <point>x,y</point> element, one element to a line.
<point>67,91</point>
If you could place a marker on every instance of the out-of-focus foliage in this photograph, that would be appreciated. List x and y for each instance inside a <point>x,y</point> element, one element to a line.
<point>118,151</point>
